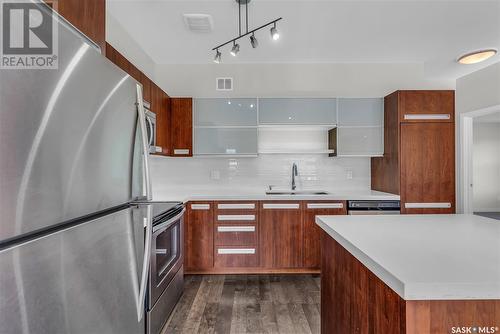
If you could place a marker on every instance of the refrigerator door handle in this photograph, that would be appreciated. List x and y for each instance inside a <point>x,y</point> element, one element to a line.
<point>142,121</point>
<point>145,265</point>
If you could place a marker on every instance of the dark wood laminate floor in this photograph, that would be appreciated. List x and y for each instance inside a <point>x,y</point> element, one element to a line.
<point>247,304</point>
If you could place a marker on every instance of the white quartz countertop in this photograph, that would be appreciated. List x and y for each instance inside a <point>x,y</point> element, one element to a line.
<point>259,194</point>
<point>425,257</point>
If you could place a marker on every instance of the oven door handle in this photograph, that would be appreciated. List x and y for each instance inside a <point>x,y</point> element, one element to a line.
<point>141,300</point>
<point>163,226</point>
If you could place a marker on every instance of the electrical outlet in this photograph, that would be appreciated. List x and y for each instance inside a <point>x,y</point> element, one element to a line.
<point>215,175</point>
<point>349,174</point>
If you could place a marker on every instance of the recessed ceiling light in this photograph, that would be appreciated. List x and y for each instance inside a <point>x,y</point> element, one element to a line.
<point>476,56</point>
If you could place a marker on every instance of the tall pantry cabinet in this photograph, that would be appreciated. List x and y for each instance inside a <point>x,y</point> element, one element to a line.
<point>419,151</point>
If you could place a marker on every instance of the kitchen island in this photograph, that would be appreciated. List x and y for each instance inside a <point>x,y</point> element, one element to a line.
<point>410,274</point>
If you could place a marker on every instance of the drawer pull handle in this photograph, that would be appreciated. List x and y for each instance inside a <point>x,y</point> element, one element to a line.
<point>325,205</point>
<point>426,116</point>
<point>236,206</point>
<point>228,251</point>
<point>181,151</point>
<point>235,228</point>
<point>200,206</point>
<point>427,205</point>
<point>235,217</point>
<point>281,206</point>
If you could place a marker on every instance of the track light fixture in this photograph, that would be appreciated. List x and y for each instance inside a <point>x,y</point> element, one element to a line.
<point>235,49</point>
<point>275,35</point>
<point>218,57</point>
<point>253,40</point>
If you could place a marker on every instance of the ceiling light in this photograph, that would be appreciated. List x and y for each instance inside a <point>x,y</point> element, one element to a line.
<point>476,56</point>
<point>254,41</point>
<point>235,49</point>
<point>218,57</point>
<point>274,33</point>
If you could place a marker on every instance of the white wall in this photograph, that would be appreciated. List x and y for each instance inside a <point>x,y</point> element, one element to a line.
<point>118,37</point>
<point>486,167</point>
<point>177,176</point>
<point>475,91</point>
<point>296,79</point>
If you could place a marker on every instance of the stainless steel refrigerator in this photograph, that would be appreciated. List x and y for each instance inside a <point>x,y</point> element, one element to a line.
<point>73,162</point>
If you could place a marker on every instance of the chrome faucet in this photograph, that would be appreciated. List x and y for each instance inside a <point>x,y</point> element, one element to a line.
<point>294,174</point>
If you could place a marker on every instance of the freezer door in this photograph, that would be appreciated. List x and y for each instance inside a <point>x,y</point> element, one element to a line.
<point>70,141</point>
<point>84,279</point>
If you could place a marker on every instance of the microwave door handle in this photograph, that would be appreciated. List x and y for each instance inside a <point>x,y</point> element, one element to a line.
<point>141,299</point>
<point>142,122</point>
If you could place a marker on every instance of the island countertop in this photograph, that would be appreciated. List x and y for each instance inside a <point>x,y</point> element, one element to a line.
<point>425,257</point>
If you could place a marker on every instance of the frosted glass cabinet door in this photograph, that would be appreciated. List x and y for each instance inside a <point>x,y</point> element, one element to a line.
<point>225,112</point>
<point>225,141</point>
<point>299,111</point>
<point>361,112</point>
<point>365,141</point>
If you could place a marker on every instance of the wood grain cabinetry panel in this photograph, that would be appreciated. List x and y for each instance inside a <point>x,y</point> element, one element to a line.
<point>161,107</point>
<point>236,257</point>
<point>199,241</point>
<point>385,173</point>
<point>281,234</point>
<point>146,87</point>
<point>88,16</point>
<point>312,232</point>
<point>427,167</point>
<point>182,126</point>
<point>427,105</point>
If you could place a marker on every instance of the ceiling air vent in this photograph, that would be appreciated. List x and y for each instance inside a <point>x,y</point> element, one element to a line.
<point>224,83</point>
<point>199,22</point>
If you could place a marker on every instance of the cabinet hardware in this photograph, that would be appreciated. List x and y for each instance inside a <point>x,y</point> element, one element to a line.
<point>325,205</point>
<point>427,205</point>
<point>200,206</point>
<point>236,206</point>
<point>235,228</point>
<point>236,251</point>
<point>280,206</point>
<point>181,151</point>
<point>426,116</point>
<point>235,217</point>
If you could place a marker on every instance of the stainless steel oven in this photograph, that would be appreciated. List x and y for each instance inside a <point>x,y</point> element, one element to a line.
<point>166,279</point>
<point>150,128</point>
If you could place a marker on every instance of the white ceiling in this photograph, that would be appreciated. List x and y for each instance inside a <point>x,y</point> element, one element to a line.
<point>433,33</point>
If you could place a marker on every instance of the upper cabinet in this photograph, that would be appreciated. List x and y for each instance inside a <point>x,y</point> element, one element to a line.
<point>360,127</point>
<point>225,112</point>
<point>427,106</point>
<point>225,126</point>
<point>87,16</point>
<point>181,109</point>
<point>297,111</point>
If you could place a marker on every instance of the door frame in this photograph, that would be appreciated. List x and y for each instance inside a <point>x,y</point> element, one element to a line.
<point>466,153</point>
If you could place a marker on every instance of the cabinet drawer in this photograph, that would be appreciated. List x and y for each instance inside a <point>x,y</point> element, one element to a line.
<point>236,235</point>
<point>236,257</point>
<point>236,206</point>
<point>236,218</point>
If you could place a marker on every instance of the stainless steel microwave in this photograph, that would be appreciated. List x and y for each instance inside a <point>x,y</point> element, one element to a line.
<point>151,128</point>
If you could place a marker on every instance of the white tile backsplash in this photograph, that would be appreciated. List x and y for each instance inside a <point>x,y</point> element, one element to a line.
<point>316,171</point>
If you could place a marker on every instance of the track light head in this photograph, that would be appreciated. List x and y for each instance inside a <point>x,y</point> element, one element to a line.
<point>235,49</point>
<point>275,35</point>
<point>218,57</point>
<point>254,41</point>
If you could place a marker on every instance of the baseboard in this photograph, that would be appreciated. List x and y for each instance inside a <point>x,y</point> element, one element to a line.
<point>229,271</point>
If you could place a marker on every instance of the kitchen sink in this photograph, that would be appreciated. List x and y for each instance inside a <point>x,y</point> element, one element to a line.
<point>296,192</point>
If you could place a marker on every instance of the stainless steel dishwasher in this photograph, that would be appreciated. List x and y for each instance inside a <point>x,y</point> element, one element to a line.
<point>373,207</point>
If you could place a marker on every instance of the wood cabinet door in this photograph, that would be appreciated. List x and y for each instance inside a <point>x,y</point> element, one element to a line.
<point>199,240</point>
<point>146,87</point>
<point>281,234</point>
<point>182,126</point>
<point>427,106</point>
<point>428,168</point>
<point>87,16</point>
<point>312,232</point>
